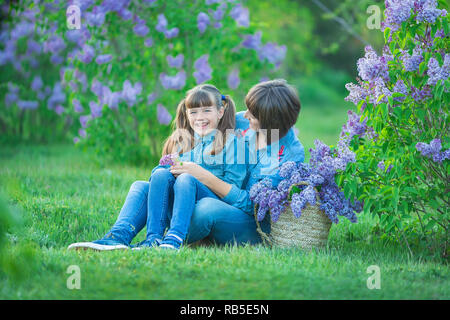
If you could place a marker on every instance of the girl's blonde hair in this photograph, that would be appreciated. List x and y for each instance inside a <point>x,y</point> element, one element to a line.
<point>204,95</point>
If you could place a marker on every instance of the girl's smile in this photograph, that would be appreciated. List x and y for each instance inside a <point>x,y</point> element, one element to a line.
<point>204,119</point>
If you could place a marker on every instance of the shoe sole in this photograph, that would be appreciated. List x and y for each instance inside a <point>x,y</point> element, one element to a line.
<point>96,246</point>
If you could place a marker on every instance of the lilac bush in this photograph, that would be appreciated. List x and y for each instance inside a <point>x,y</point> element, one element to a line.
<point>400,131</point>
<point>121,74</point>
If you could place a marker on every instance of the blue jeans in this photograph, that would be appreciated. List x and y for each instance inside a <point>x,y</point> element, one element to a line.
<point>171,203</point>
<point>223,224</point>
<point>160,203</point>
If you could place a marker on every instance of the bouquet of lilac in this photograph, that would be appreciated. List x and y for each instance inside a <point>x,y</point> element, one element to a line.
<point>168,159</point>
<point>302,181</point>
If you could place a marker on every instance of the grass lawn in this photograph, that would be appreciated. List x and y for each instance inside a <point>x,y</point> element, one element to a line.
<point>66,197</point>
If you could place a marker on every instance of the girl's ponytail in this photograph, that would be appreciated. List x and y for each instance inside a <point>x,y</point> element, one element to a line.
<point>180,140</point>
<point>228,121</point>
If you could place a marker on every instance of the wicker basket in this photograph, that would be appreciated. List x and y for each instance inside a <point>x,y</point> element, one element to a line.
<point>309,231</point>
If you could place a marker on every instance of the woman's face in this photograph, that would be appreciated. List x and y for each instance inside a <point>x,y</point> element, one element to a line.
<point>204,120</point>
<point>254,123</point>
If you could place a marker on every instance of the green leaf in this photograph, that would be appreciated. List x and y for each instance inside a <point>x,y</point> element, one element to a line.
<point>387,32</point>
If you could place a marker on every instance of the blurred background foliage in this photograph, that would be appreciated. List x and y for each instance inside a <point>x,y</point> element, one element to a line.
<point>324,39</point>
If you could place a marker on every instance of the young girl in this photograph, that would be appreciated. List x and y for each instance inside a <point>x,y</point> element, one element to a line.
<point>203,142</point>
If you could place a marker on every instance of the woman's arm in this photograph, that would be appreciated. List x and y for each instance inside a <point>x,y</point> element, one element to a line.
<point>218,186</point>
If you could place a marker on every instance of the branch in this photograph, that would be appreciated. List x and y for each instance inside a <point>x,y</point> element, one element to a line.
<point>347,27</point>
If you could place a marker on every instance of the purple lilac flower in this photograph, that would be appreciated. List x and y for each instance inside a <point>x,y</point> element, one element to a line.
<point>33,47</point>
<point>97,88</point>
<point>87,55</point>
<point>111,99</point>
<point>320,151</point>
<point>354,126</point>
<point>287,169</point>
<point>163,115</point>
<point>412,62</point>
<point>209,2</point>
<point>148,42</point>
<point>84,120</point>
<point>76,140</point>
<point>400,87</point>
<point>203,70</point>
<point>252,41</point>
<point>22,29</point>
<point>96,17</point>
<point>273,53</point>
<point>297,204</point>
<point>37,84</point>
<point>54,44</point>
<point>176,82</point>
<point>168,159</point>
<point>380,92</point>
<point>96,109</point>
<point>309,194</point>
<point>82,133</point>
<point>202,21</point>
<point>356,94</point>
<point>428,11</point>
<point>56,59</point>
<point>57,97</point>
<point>175,62</point>
<point>162,23</point>
<point>104,58</point>
<point>241,15</point>
<point>77,106</point>
<point>130,92</point>
<point>11,98</point>
<point>24,105</point>
<point>141,29</point>
<point>420,95</point>
<point>371,66</point>
<point>397,11</point>
<point>433,150</point>
<point>437,73</point>
<point>172,33</point>
<point>59,109</point>
<point>151,98</point>
<point>233,80</point>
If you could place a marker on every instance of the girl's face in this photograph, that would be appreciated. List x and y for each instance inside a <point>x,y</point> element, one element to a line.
<point>204,120</point>
<point>254,123</point>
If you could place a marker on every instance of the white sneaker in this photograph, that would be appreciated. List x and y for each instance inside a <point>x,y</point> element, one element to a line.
<point>96,246</point>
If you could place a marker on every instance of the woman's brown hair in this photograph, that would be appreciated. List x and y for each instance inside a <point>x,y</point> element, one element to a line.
<point>275,104</point>
<point>204,95</point>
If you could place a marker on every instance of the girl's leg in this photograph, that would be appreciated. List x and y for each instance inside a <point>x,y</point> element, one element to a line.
<point>187,191</point>
<point>223,223</point>
<point>133,215</point>
<point>131,220</point>
<point>160,201</point>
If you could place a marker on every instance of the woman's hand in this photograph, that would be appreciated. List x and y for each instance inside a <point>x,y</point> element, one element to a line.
<point>219,187</point>
<point>189,167</point>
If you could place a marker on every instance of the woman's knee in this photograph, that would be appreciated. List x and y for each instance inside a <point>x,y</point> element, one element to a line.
<point>204,211</point>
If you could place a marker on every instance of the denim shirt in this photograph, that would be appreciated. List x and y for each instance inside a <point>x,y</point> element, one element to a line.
<point>223,165</point>
<point>288,148</point>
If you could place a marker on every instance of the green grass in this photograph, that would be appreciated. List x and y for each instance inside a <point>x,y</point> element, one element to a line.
<point>65,196</point>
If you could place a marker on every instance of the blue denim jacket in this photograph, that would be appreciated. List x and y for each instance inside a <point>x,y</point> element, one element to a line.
<point>223,165</point>
<point>288,148</point>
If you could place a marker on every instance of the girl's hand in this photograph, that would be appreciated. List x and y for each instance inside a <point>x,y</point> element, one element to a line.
<point>189,167</point>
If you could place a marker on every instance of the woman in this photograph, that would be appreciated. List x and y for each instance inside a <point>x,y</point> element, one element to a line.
<point>272,106</point>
